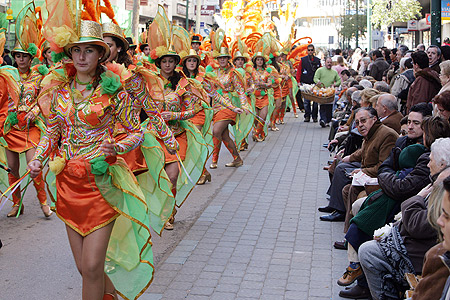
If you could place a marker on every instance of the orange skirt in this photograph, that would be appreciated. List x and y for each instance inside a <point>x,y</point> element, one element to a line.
<point>277,93</point>
<point>21,141</point>
<point>182,141</point>
<point>262,102</point>
<point>199,118</point>
<point>79,202</point>
<point>225,115</point>
<point>135,158</point>
<point>285,90</point>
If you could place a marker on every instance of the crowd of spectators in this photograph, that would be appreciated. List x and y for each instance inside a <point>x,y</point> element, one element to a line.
<point>389,173</point>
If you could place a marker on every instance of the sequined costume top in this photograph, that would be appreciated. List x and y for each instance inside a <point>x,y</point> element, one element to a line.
<point>211,88</point>
<point>29,89</point>
<point>83,126</point>
<point>182,103</point>
<point>139,95</point>
<point>232,82</point>
<point>261,76</point>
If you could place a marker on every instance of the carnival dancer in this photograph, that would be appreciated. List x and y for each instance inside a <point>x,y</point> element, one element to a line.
<point>263,83</point>
<point>289,84</point>
<point>20,130</point>
<point>233,82</point>
<point>202,119</point>
<point>141,85</point>
<point>181,102</point>
<point>277,93</point>
<point>240,56</point>
<point>96,194</point>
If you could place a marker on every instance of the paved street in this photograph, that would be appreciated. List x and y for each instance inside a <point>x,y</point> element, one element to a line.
<point>253,233</point>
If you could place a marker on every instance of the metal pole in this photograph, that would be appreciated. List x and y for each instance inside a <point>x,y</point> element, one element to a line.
<point>187,15</point>
<point>135,20</point>
<point>357,24</point>
<point>436,22</point>
<point>197,19</point>
<point>369,24</point>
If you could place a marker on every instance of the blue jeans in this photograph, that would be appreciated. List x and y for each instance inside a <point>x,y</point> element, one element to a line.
<point>326,112</point>
<point>315,108</point>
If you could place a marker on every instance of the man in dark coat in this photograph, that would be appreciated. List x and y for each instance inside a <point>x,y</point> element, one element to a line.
<point>387,109</point>
<point>378,66</point>
<point>305,74</point>
<point>427,83</point>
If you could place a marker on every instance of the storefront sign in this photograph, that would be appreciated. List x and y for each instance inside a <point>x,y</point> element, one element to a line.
<point>445,9</point>
<point>413,25</point>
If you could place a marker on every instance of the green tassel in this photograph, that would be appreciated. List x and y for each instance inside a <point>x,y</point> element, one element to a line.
<point>43,70</point>
<point>32,49</point>
<point>12,118</point>
<point>110,82</point>
<point>269,69</point>
<point>57,57</point>
<point>98,165</point>
<point>263,93</point>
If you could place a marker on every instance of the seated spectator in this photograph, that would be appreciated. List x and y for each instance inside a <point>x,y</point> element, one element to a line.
<point>387,109</point>
<point>427,83</point>
<point>382,87</point>
<point>346,76</point>
<point>378,142</point>
<point>366,95</point>
<point>403,249</point>
<point>444,76</point>
<point>442,104</point>
<point>365,83</point>
<point>380,207</point>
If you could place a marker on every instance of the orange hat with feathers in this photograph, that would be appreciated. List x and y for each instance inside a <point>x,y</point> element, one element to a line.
<point>28,30</point>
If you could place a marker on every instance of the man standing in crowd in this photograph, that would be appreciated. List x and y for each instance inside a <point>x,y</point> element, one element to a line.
<point>434,58</point>
<point>427,83</point>
<point>329,78</point>
<point>305,74</point>
<point>379,65</point>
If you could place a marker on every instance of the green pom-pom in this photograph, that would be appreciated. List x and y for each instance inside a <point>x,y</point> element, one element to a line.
<point>43,70</point>
<point>12,118</point>
<point>269,61</point>
<point>110,82</point>
<point>32,49</point>
<point>263,93</point>
<point>269,69</point>
<point>89,87</point>
<point>271,55</point>
<point>57,57</point>
<point>209,68</point>
<point>151,60</point>
<point>98,165</point>
<point>273,81</point>
<point>220,92</point>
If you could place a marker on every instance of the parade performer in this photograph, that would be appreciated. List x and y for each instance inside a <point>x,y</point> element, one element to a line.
<point>141,85</point>
<point>21,131</point>
<point>277,93</point>
<point>286,84</point>
<point>233,82</point>
<point>181,102</point>
<point>291,82</point>
<point>196,42</point>
<point>96,194</point>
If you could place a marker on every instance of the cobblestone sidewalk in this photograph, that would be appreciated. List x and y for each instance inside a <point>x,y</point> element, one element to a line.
<point>260,237</point>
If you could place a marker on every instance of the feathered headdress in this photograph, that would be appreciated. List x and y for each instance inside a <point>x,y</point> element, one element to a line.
<point>262,48</point>
<point>28,30</point>
<point>74,22</point>
<point>239,50</point>
<point>160,36</point>
<point>182,44</point>
<point>219,43</point>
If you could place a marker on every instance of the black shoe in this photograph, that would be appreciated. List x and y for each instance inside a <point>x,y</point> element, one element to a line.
<point>356,292</point>
<point>315,120</point>
<point>341,245</point>
<point>335,216</point>
<point>322,124</point>
<point>326,209</point>
<point>307,119</point>
<point>1,245</point>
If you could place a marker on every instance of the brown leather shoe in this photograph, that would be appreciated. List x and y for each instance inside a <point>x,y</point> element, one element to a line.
<point>350,276</point>
<point>356,292</point>
<point>235,163</point>
<point>14,211</point>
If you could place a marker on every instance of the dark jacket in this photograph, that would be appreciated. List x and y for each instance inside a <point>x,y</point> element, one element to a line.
<point>417,233</point>
<point>401,189</point>
<point>308,69</point>
<point>378,67</point>
<point>446,260</point>
<point>424,88</point>
<point>375,148</point>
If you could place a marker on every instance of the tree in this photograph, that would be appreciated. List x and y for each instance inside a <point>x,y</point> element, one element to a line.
<point>386,12</point>
<point>352,22</point>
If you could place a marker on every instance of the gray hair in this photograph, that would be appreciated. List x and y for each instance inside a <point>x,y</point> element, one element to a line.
<point>365,83</point>
<point>402,62</point>
<point>372,112</point>
<point>390,101</point>
<point>356,96</point>
<point>366,59</point>
<point>382,86</point>
<point>438,50</point>
<point>441,151</point>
